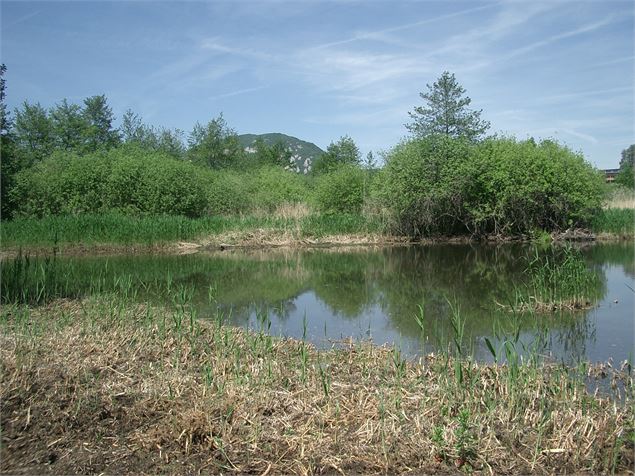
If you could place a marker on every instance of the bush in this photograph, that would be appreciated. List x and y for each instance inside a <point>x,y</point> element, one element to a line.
<point>228,193</point>
<point>425,185</point>
<point>63,184</point>
<point>340,190</point>
<point>126,179</point>
<point>272,187</point>
<point>440,185</point>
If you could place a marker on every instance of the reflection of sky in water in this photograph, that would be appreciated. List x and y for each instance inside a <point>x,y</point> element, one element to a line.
<point>600,334</point>
<point>613,322</point>
<point>375,293</point>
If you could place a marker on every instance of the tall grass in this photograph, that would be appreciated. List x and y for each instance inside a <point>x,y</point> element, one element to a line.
<point>618,221</point>
<point>561,277</point>
<point>121,229</point>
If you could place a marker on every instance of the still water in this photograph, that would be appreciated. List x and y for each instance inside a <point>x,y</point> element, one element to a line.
<point>329,295</point>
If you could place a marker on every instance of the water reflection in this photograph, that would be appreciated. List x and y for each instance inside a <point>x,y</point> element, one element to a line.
<point>375,294</point>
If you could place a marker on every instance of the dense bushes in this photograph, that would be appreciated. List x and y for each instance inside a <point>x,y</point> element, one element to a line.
<point>432,186</point>
<point>260,189</point>
<point>341,190</point>
<point>133,181</point>
<point>440,185</point>
<point>127,180</point>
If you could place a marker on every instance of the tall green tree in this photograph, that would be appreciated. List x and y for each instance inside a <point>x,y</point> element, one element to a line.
<point>342,152</point>
<point>8,163</point>
<point>34,133</point>
<point>214,144</point>
<point>132,128</point>
<point>70,127</point>
<point>626,175</point>
<point>446,112</point>
<point>277,154</point>
<point>99,116</point>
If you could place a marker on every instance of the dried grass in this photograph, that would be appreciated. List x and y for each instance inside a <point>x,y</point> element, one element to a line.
<point>621,197</point>
<point>97,387</point>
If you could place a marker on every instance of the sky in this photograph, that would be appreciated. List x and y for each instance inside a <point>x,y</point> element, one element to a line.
<point>318,70</point>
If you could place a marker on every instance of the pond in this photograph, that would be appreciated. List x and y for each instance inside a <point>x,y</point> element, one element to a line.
<point>418,298</point>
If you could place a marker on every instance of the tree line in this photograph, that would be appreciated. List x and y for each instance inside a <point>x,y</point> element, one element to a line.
<point>447,177</point>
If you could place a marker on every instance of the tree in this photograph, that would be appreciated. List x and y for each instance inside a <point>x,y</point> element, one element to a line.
<point>342,152</point>
<point>70,127</point>
<point>100,133</point>
<point>626,175</point>
<point>446,112</point>
<point>277,154</point>
<point>215,144</point>
<point>8,163</point>
<point>132,128</point>
<point>5,121</point>
<point>34,135</point>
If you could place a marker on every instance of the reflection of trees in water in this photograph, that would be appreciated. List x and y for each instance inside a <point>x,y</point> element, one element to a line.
<point>621,254</point>
<point>394,279</point>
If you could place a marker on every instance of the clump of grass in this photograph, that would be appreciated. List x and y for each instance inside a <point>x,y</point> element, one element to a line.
<point>617,221</point>
<point>137,393</point>
<point>558,279</point>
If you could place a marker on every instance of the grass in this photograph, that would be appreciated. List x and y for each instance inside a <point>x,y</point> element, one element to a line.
<point>560,279</point>
<point>117,229</point>
<point>620,197</point>
<point>616,221</point>
<point>102,384</point>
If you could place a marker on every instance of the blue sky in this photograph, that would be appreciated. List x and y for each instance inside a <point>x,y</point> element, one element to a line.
<point>320,69</point>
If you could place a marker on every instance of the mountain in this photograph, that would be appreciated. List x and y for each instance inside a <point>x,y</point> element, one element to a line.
<point>304,153</point>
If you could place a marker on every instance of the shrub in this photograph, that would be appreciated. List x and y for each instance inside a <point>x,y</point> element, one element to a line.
<point>63,184</point>
<point>340,190</point>
<point>272,187</point>
<point>440,185</point>
<point>425,183</point>
<point>126,179</point>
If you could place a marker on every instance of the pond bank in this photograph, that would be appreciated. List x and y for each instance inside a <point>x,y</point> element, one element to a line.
<point>261,239</point>
<point>99,385</point>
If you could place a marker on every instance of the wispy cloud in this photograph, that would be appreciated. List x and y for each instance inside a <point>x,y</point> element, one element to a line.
<point>588,28</point>
<point>237,92</point>
<point>582,94</point>
<point>377,34</point>
<point>23,19</point>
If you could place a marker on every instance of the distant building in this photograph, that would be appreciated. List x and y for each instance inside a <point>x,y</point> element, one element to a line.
<point>610,174</point>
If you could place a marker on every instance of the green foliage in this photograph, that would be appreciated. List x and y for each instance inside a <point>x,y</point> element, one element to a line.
<point>302,152</point>
<point>341,190</point>
<point>628,157</point>
<point>70,126</point>
<point>277,154</point>
<point>33,133</point>
<point>264,189</point>
<point>426,184</point>
<point>272,187</point>
<point>117,228</point>
<point>99,117</point>
<point>342,152</point>
<point>214,145</point>
<point>227,193</point>
<point>134,131</point>
<point>446,112</point>
<point>620,221</point>
<point>626,177</point>
<point>127,179</point>
<point>441,185</point>
<point>8,162</point>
